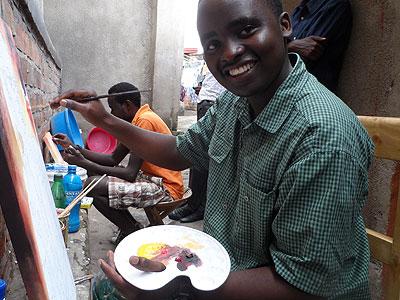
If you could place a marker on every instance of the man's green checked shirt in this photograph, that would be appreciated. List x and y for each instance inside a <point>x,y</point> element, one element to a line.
<point>287,188</point>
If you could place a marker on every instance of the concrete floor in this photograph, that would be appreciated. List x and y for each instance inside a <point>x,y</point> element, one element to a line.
<point>101,230</point>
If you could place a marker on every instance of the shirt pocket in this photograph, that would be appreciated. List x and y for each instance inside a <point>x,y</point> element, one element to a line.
<point>252,233</point>
<point>219,147</point>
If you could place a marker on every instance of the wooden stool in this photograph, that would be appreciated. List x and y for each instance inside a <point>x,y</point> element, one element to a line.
<point>156,214</point>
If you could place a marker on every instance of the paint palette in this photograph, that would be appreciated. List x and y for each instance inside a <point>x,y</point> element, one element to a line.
<point>184,251</point>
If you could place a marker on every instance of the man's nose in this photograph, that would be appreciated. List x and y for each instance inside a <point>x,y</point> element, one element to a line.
<point>232,50</point>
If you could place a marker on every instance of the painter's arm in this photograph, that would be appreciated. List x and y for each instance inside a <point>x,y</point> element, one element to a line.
<point>259,283</point>
<point>112,159</point>
<point>129,173</point>
<point>159,149</point>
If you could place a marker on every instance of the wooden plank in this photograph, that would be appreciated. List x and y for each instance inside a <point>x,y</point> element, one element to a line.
<point>53,149</point>
<point>26,199</point>
<point>391,286</point>
<point>385,132</point>
<point>396,233</point>
<point>381,246</point>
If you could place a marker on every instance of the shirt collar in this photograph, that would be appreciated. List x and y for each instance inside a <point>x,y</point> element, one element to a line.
<point>280,106</point>
<point>141,111</point>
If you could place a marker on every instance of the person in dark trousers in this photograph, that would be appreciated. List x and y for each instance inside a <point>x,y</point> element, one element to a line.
<point>194,209</point>
<point>321,34</point>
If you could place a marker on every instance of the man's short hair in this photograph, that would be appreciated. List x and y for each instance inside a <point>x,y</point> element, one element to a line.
<point>126,87</point>
<point>275,5</point>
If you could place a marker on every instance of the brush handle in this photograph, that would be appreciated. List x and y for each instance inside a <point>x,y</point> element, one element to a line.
<point>84,100</point>
<point>80,196</point>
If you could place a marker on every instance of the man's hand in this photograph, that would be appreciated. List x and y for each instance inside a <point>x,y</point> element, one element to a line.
<point>124,287</point>
<point>73,156</point>
<point>63,140</point>
<point>92,111</point>
<point>310,48</point>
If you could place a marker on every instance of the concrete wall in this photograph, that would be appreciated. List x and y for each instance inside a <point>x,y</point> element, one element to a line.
<point>107,41</point>
<point>41,73</point>
<point>370,85</point>
<point>168,60</point>
<point>104,42</point>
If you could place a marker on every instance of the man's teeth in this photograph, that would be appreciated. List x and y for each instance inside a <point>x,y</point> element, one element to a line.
<point>240,70</point>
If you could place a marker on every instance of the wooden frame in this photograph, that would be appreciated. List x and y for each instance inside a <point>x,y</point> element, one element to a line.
<point>385,132</point>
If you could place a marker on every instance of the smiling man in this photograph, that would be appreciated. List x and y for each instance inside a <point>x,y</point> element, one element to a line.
<point>288,165</point>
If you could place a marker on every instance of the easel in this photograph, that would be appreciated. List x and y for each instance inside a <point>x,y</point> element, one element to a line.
<point>25,196</point>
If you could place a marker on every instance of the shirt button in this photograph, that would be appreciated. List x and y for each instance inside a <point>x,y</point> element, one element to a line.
<point>246,198</point>
<point>224,206</point>
<point>302,18</point>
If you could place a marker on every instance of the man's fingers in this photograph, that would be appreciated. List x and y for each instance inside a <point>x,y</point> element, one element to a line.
<point>60,136</point>
<point>57,141</point>
<point>318,38</point>
<point>110,256</point>
<point>72,150</point>
<point>71,94</point>
<point>111,273</point>
<point>72,104</point>
<point>146,265</point>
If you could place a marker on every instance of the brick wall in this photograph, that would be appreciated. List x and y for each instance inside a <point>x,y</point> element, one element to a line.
<point>41,73</point>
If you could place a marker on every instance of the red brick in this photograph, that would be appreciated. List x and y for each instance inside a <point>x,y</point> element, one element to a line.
<point>8,15</point>
<point>35,53</point>
<point>22,39</point>
<point>24,67</point>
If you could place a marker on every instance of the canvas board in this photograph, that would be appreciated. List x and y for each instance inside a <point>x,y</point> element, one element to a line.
<point>25,194</point>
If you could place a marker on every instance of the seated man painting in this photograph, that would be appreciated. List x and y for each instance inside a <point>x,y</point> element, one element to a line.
<point>140,184</point>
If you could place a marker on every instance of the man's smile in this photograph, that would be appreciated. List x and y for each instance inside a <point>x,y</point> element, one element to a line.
<point>239,70</point>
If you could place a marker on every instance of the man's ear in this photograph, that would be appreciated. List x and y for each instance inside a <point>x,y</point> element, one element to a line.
<point>128,105</point>
<point>286,24</point>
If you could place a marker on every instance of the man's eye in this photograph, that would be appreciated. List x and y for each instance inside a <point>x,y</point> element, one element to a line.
<point>246,31</point>
<point>211,46</point>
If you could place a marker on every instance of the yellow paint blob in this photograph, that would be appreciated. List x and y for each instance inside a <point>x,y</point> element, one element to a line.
<point>150,250</point>
<point>192,245</point>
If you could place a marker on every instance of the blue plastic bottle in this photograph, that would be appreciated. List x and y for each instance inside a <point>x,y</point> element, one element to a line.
<point>72,187</point>
<point>3,286</point>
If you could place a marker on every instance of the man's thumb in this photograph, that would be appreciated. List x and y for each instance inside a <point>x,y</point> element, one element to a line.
<point>319,38</point>
<point>146,265</point>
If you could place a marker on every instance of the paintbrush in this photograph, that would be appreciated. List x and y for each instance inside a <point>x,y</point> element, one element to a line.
<point>84,100</point>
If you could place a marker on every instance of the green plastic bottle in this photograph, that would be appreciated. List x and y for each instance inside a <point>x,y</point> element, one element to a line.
<point>57,189</point>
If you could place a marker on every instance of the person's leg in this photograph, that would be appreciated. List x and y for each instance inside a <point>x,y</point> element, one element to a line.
<point>120,217</point>
<point>193,210</point>
<point>197,201</point>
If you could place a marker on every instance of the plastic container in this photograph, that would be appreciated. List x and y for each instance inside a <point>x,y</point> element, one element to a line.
<point>57,189</point>
<point>72,186</point>
<point>99,140</point>
<point>65,122</point>
<point>3,287</point>
<point>57,169</point>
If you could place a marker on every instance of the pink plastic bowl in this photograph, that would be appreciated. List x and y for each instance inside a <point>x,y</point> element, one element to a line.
<point>99,140</point>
